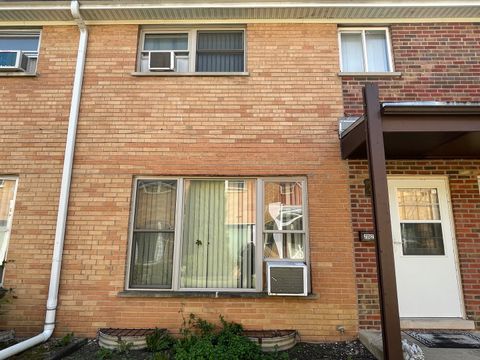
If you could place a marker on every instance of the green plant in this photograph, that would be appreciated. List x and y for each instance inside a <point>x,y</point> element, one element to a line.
<point>104,354</point>
<point>159,340</point>
<point>160,356</point>
<point>65,340</point>
<point>124,347</point>
<point>202,340</point>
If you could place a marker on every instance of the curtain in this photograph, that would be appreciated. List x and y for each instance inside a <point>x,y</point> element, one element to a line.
<point>218,228</point>
<point>377,51</point>
<point>352,52</point>
<point>220,51</point>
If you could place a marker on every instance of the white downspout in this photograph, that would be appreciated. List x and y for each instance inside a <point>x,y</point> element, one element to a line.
<point>52,300</point>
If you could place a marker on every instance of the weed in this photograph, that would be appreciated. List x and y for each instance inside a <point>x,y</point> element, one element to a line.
<point>104,354</point>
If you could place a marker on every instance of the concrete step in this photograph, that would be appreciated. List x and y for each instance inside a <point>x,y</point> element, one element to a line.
<point>437,323</point>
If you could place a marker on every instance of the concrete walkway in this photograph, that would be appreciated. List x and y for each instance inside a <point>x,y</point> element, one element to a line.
<point>372,340</point>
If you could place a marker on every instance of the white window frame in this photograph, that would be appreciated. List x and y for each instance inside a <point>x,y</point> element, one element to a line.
<point>357,30</point>
<point>177,249</point>
<point>9,222</point>
<point>25,33</point>
<point>192,45</point>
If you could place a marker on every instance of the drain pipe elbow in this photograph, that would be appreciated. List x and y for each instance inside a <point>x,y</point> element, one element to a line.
<point>52,300</point>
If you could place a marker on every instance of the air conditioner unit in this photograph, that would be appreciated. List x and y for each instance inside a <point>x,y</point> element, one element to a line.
<point>287,278</point>
<point>161,61</point>
<point>13,60</point>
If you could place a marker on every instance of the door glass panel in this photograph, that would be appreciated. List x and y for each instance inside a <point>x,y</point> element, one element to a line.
<point>422,239</point>
<point>418,204</point>
<point>420,222</point>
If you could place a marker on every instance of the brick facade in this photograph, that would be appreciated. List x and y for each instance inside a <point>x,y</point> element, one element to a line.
<point>465,198</point>
<point>34,116</point>
<point>279,120</point>
<point>437,63</point>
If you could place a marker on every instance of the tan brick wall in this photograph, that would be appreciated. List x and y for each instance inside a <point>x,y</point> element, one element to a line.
<point>33,117</point>
<point>279,120</point>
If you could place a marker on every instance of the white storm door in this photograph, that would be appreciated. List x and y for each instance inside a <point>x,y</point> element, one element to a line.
<point>424,248</point>
<point>8,187</point>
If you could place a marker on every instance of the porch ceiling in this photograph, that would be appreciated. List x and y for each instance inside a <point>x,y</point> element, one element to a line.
<point>420,131</point>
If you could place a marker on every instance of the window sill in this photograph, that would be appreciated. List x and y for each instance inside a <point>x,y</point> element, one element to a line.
<point>204,294</point>
<point>371,74</point>
<point>165,73</point>
<point>18,74</point>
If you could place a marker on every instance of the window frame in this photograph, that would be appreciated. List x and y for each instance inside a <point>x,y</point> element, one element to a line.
<point>25,33</point>
<point>362,31</point>
<point>178,231</point>
<point>9,223</point>
<point>192,47</point>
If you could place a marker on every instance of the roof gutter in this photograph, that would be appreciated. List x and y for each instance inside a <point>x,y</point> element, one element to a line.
<point>52,300</point>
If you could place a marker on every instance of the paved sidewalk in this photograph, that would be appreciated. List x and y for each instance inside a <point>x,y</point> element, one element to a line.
<point>372,340</point>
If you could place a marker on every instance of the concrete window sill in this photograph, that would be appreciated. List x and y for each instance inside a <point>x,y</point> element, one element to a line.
<point>17,74</point>
<point>371,74</point>
<point>205,294</point>
<point>202,74</point>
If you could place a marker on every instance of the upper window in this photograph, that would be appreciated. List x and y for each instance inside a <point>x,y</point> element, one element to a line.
<point>201,234</point>
<point>19,50</point>
<point>192,51</point>
<point>365,50</point>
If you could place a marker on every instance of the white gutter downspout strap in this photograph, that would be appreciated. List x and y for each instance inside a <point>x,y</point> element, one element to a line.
<point>52,300</point>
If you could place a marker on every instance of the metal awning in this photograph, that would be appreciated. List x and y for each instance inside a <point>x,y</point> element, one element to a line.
<point>420,130</point>
<point>141,11</point>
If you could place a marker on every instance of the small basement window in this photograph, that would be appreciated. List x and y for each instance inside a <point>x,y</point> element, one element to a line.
<point>19,50</point>
<point>365,50</point>
<point>192,50</point>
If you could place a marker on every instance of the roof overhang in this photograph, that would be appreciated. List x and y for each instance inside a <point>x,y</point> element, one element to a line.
<point>149,11</point>
<point>420,131</point>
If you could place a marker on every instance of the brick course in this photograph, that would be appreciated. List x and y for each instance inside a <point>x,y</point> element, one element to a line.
<point>279,120</point>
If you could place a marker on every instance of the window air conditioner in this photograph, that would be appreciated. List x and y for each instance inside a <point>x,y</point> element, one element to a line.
<point>13,60</point>
<point>287,278</point>
<point>161,61</point>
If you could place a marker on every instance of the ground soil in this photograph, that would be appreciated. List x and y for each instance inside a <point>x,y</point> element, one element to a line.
<point>302,351</point>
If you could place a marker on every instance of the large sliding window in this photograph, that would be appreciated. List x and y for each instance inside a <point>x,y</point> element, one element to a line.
<point>201,234</point>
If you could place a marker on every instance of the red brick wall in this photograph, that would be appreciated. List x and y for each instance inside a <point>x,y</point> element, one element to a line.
<point>279,120</point>
<point>437,61</point>
<point>465,196</point>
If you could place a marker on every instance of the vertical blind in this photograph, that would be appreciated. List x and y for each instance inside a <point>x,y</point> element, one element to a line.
<point>218,235</point>
<point>153,234</point>
<point>220,51</point>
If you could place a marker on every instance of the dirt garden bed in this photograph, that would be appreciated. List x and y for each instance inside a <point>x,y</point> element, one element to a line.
<point>302,351</point>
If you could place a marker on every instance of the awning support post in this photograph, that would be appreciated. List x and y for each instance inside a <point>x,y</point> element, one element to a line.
<point>391,337</point>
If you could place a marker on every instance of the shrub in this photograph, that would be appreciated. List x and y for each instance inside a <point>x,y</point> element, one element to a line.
<point>203,341</point>
<point>159,340</point>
